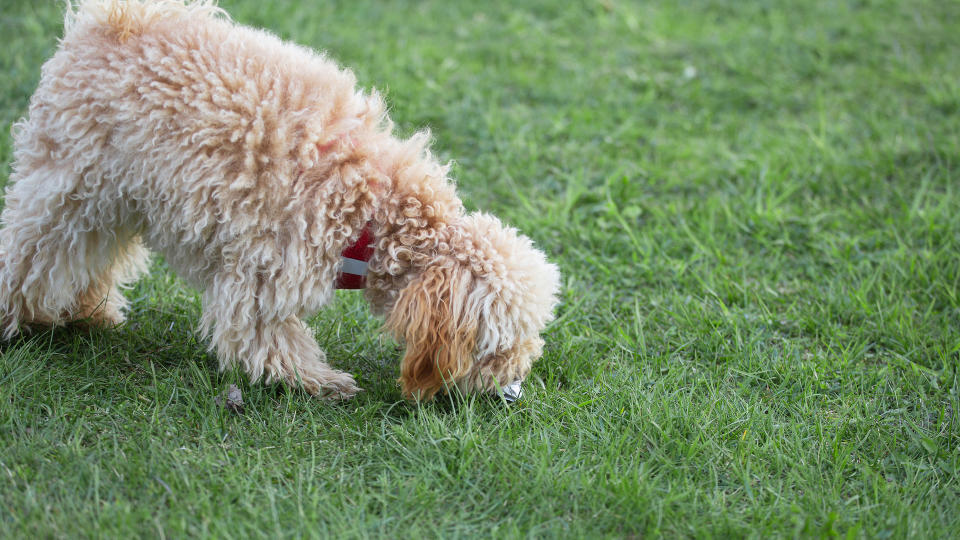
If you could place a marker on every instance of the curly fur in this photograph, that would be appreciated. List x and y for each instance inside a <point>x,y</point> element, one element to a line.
<point>250,163</point>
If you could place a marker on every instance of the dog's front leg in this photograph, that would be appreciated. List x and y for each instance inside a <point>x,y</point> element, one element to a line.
<point>275,349</point>
<point>291,354</point>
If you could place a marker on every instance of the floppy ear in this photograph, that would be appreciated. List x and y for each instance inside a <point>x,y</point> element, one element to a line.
<point>432,317</point>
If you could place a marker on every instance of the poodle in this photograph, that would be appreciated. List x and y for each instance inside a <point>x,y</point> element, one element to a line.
<point>264,177</point>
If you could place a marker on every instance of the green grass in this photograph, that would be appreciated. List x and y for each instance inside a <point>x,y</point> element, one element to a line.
<point>756,212</point>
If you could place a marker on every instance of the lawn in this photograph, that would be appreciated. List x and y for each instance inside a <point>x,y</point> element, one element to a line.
<point>756,211</point>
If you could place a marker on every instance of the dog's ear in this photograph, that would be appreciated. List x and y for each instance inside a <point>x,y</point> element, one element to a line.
<point>433,318</point>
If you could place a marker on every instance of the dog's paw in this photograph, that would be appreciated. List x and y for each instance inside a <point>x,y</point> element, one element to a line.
<point>338,388</point>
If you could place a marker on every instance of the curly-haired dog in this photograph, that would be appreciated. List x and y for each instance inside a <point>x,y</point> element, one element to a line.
<point>251,164</point>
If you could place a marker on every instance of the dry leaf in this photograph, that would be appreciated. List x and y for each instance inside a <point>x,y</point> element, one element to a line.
<point>232,399</point>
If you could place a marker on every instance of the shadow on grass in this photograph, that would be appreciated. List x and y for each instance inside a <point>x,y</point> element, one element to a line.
<point>158,354</point>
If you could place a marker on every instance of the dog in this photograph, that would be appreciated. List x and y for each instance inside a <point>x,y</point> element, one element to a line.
<point>252,165</point>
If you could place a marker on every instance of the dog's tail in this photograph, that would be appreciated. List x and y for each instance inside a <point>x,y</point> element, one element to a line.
<point>131,17</point>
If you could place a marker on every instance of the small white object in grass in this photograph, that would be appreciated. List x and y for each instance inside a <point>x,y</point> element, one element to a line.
<point>513,391</point>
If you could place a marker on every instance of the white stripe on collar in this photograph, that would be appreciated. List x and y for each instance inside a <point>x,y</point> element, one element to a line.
<point>353,266</point>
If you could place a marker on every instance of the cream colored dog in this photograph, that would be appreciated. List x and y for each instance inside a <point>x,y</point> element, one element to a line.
<point>250,164</point>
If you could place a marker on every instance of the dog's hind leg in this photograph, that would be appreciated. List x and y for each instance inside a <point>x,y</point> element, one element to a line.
<point>61,256</point>
<point>102,303</point>
<point>244,329</point>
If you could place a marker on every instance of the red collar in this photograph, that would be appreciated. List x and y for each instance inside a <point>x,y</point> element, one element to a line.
<point>353,272</point>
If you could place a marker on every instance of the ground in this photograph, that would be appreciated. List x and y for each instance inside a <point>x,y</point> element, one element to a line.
<point>755,209</point>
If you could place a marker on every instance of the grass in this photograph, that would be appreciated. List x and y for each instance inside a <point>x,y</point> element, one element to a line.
<point>756,212</point>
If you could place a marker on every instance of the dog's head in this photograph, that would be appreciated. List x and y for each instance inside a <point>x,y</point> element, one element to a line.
<point>473,317</point>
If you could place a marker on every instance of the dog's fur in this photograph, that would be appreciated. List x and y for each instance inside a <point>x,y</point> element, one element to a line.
<point>250,164</point>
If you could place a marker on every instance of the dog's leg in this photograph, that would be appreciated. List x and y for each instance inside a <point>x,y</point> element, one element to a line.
<point>292,355</point>
<point>36,284</point>
<point>276,348</point>
<point>61,258</point>
<point>102,303</point>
